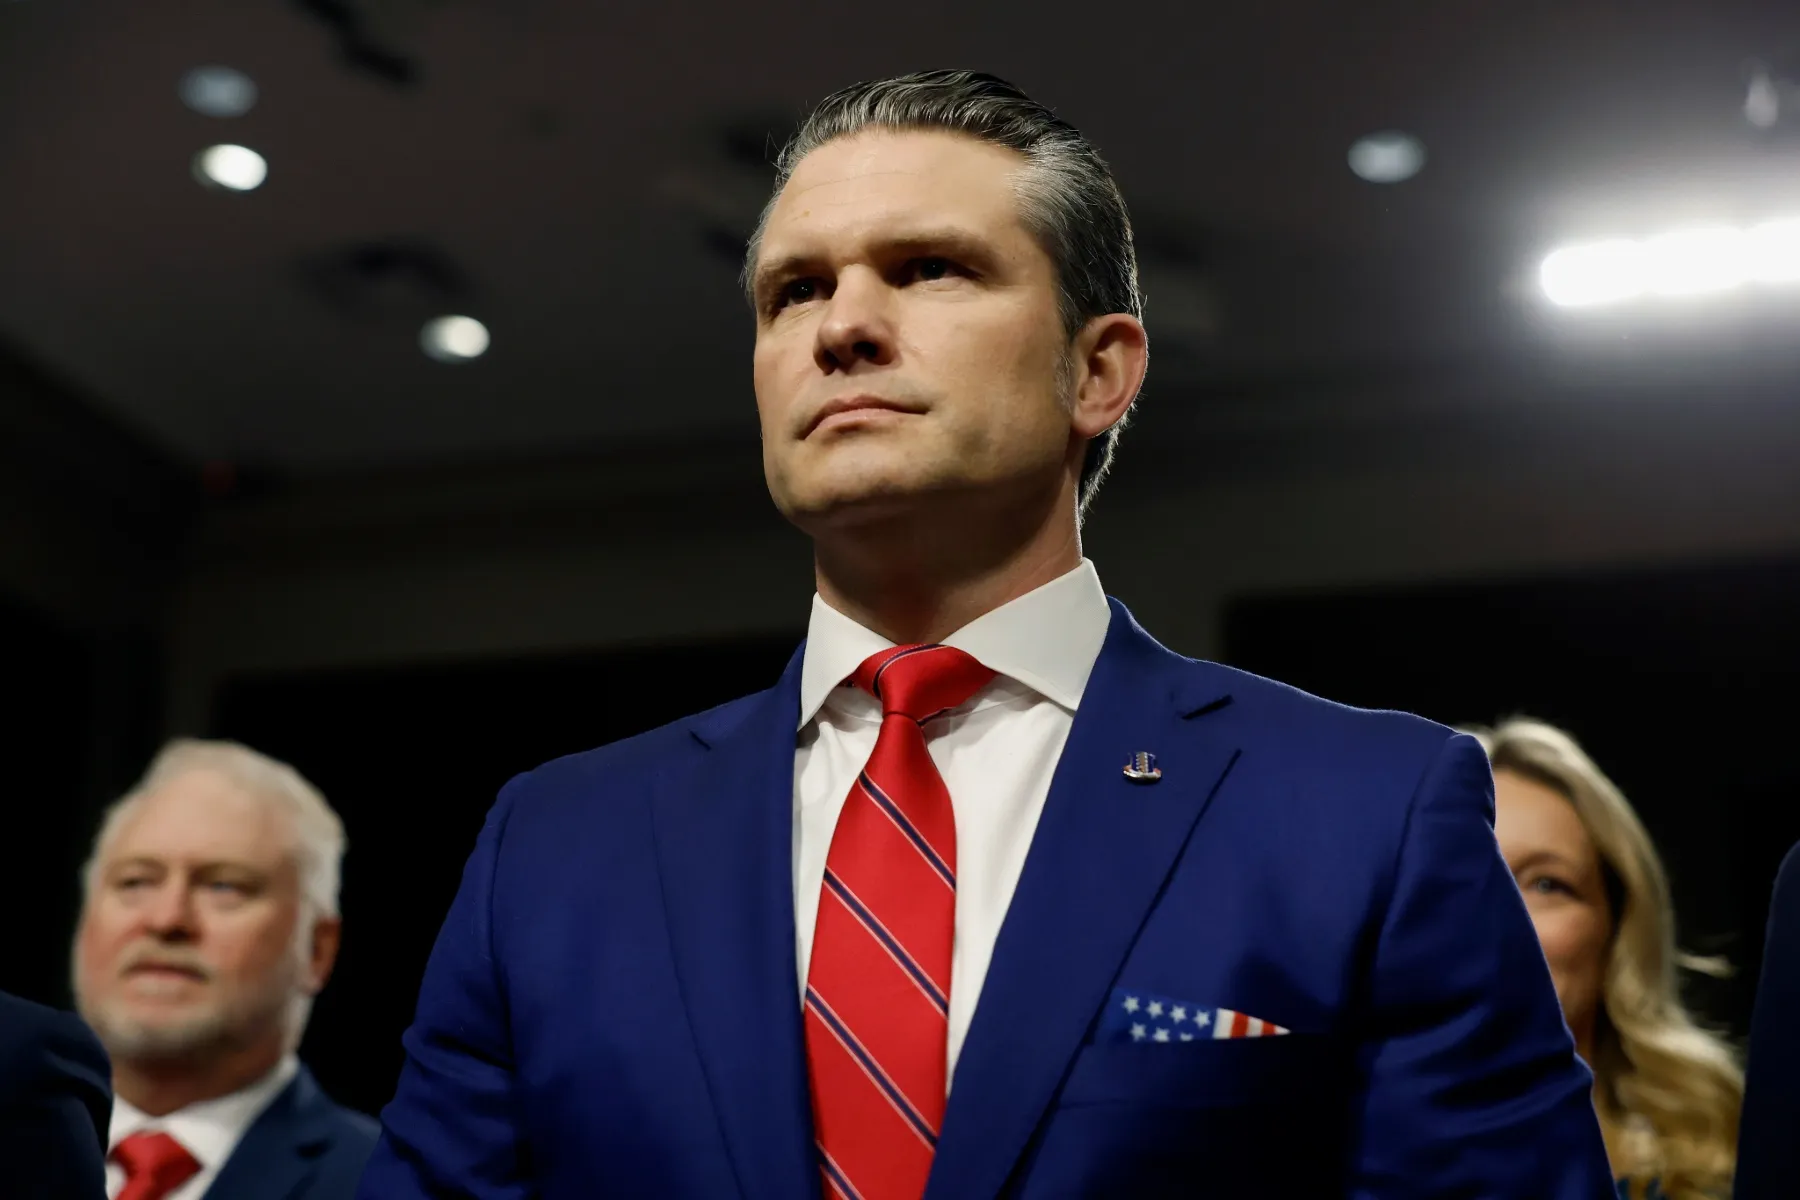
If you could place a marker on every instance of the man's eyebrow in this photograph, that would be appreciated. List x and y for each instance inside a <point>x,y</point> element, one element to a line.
<point>786,267</point>
<point>948,240</point>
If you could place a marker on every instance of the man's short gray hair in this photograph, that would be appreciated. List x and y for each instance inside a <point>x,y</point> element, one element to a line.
<point>318,833</point>
<point>1067,196</point>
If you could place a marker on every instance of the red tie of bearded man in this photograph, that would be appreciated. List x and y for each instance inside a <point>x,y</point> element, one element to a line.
<point>878,986</point>
<point>155,1165</point>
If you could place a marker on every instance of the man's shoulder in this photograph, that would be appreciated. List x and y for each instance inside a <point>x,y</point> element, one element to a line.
<point>39,1044</point>
<point>307,1113</point>
<point>619,766</point>
<point>1262,710</point>
<point>1337,761</point>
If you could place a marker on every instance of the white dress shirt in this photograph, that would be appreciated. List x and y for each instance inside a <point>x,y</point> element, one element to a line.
<point>996,754</point>
<point>209,1131</point>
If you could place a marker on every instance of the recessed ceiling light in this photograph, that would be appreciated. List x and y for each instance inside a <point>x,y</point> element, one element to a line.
<point>1762,106</point>
<point>1388,157</point>
<point>234,168</point>
<point>454,339</point>
<point>218,91</point>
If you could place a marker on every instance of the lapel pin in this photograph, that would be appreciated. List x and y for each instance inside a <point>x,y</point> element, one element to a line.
<point>1142,768</point>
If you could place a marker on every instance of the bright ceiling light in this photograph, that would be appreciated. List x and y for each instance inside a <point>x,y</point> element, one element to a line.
<point>454,339</point>
<point>235,168</point>
<point>1597,273</point>
<point>1773,252</point>
<point>218,91</point>
<point>1388,157</point>
<point>1694,262</point>
<point>1697,261</point>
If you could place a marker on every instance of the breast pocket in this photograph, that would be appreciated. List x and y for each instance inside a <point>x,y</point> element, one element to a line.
<point>1297,1070</point>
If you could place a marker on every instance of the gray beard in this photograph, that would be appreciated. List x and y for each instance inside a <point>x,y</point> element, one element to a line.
<point>208,1036</point>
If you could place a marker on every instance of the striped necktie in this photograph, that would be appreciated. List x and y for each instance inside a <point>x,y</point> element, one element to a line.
<point>878,985</point>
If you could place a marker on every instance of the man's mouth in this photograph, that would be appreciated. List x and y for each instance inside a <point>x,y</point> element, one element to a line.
<point>156,970</point>
<point>850,405</point>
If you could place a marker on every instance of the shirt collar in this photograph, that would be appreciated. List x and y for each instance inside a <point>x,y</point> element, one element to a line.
<point>1046,639</point>
<point>211,1129</point>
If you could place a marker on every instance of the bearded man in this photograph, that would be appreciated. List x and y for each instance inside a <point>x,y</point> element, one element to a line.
<point>209,922</point>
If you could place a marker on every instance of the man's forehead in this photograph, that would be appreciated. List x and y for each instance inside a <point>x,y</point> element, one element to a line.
<point>880,178</point>
<point>202,815</point>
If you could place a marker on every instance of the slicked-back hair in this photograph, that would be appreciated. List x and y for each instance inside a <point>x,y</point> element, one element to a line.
<point>1067,196</point>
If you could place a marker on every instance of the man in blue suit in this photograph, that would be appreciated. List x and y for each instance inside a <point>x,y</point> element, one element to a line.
<point>990,894</point>
<point>54,1102</point>
<point>210,921</point>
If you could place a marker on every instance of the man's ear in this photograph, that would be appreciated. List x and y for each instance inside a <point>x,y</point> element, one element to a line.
<point>327,935</point>
<point>1110,356</point>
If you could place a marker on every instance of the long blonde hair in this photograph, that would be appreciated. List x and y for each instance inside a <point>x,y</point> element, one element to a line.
<point>1667,1091</point>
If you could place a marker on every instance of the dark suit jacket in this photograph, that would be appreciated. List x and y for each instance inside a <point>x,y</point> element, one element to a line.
<point>613,1010</point>
<point>303,1147</point>
<point>55,1103</point>
<point>1769,1137</point>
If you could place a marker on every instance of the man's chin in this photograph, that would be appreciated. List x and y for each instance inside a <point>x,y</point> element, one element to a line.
<point>162,1037</point>
<point>846,499</point>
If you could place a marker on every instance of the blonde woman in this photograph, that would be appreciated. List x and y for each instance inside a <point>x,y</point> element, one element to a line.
<point>1667,1092</point>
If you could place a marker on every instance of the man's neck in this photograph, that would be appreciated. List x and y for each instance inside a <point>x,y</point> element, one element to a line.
<point>160,1088</point>
<point>912,583</point>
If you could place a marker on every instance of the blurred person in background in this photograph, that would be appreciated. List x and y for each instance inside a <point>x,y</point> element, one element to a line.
<point>1667,1091</point>
<point>1170,929</point>
<point>209,922</point>
<point>54,1103</point>
<point>1768,1165</point>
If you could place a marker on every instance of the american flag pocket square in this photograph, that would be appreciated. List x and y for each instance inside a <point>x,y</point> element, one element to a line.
<point>1133,1015</point>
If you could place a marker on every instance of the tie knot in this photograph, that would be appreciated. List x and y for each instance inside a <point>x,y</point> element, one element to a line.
<point>920,681</point>
<point>155,1164</point>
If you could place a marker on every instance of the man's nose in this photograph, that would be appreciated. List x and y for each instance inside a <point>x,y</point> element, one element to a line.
<point>169,911</point>
<point>858,326</point>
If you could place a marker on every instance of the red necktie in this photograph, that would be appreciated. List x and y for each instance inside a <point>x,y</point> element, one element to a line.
<point>878,986</point>
<point>155,1165</point>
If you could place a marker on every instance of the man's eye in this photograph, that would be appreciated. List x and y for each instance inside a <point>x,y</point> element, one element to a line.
<point>931,268</point>
<point>796,291</point>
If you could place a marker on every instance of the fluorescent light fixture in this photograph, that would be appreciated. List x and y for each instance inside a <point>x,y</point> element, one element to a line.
<point>1773,252</point>
<point>1695,262</point>
<point>218,91</point>
<point>1690,262</point>
<point>1387,157</point>
<point>1597,273</point>
<point>234,168</point>
<point>454,339</point>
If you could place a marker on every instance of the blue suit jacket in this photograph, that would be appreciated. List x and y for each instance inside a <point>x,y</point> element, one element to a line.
<point>302,1147</point>
<point>612,1008</point>
<point>55,1102</point>
<point>1769,1134</point>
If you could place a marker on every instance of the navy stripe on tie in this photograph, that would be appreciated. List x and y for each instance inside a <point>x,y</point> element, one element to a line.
<point>911,831</point>
<point>848,1041</point>
<point>835,1173</point>
<point>875,683</point>
<point>861,912</point>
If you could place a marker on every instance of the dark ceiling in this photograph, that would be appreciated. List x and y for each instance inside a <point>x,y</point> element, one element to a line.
<point>578,175</point>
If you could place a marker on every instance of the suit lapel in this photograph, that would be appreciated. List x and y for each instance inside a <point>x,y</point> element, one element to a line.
<point>1103,848</point>
<point>724,842</point>
<point>280,1150</point>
